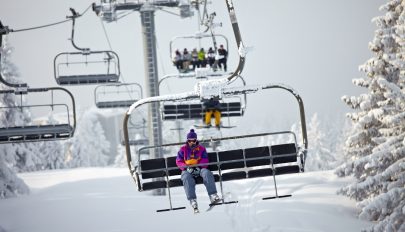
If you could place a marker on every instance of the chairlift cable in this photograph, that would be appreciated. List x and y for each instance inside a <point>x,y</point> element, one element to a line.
<point>48,25</point>
<point>105,34</point>
<point>39,27</point>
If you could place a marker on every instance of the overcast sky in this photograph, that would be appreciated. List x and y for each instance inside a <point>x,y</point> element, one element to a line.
<point>314,46</point>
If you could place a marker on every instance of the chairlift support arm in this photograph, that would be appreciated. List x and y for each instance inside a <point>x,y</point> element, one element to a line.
<point>73,17</point>
<point>238,38</point>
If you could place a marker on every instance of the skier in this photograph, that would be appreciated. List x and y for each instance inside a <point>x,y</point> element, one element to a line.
<point>212,106</point>
<point>189,155</point>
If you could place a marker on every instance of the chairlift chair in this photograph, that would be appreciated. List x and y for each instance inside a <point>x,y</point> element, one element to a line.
<point>117,95</point>
<point>231,106</point>
<point>85,66</point>
<point>277,159</point>
<point>200,72</point>
<point>40,131</point>
<point>194,109</point>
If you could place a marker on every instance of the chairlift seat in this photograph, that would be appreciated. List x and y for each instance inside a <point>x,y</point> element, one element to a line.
<point>88,79</point>
<point>115,104</point>
<point>37,132</point>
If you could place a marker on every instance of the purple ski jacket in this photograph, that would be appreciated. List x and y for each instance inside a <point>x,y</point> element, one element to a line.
<point>191,156</point>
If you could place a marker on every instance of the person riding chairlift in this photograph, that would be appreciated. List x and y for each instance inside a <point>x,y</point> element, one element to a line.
<point>189,155</point>
<point>212,106</point>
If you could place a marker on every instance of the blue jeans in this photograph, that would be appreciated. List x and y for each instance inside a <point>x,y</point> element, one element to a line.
<point>189,183</point>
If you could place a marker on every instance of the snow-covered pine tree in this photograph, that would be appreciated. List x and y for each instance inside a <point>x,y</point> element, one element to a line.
<point>89,146</point>
<point>337,143</point>
<point>26,154</point>
<point>319,156</point>
<point>52,152</point>
<point>120,160</point>
<point>376,149</point>
<point>10,184</point>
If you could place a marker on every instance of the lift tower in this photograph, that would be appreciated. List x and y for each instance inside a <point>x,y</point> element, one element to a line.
<point>109,10</point>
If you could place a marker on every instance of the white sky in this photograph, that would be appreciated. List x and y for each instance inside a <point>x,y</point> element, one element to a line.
<point>106,200</point>
<point>315,46</point>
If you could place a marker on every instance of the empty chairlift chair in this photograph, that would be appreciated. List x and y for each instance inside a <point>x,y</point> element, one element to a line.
<point>119,95</point>
<point>88,67</point>
<point>61,126</point>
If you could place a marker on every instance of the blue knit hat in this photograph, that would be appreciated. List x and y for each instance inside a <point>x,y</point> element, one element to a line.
<point>192,134</point>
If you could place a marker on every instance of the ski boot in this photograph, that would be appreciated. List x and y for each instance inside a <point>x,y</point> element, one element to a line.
<point>214,198</point>
<point>194,205</point>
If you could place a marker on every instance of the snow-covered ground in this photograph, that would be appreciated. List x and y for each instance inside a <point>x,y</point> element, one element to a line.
<point>106,200</point>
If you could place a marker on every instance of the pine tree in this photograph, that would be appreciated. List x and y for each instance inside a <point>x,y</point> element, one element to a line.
<point>376,149</point>
<point>319,156</point>
<point>89,146</point>
<point>10,184</point>
<point>120,159</point>
<point>52,152</point>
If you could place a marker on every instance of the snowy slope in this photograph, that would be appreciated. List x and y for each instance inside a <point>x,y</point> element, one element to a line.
<point>106,200</point>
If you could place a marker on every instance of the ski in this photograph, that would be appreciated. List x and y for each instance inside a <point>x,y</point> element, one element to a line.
<point>205,126</point>
<point>213,204</point>
<point>220,202</point>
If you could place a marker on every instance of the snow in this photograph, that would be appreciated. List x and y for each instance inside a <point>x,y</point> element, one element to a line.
<point>105,199</point>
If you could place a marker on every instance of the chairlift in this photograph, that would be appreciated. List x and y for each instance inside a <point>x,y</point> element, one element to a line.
<point>246,162</point>
<point>231,106</point>
<point>62,128</point>
<point>195,110</point>
<point>117,95</point>
<point>198,36</point>
<point>85,66</point>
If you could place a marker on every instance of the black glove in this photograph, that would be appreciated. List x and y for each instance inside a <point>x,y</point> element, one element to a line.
<point>195,171</point>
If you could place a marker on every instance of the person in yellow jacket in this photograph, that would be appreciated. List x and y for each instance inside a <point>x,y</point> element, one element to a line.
<point>201,58</point>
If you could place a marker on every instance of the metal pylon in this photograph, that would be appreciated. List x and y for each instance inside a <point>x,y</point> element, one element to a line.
<point>151,78</point>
